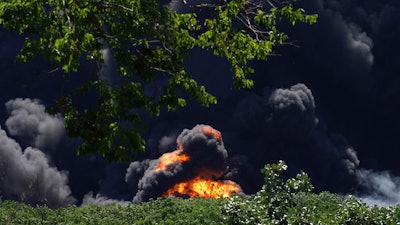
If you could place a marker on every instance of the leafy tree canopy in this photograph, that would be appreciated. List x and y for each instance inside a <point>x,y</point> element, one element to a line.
<point>149,42</point>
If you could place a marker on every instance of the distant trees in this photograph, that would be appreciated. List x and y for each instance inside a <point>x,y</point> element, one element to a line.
<point>149,42</point>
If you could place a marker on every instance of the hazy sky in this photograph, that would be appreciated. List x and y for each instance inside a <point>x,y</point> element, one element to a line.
<point>329,107</point>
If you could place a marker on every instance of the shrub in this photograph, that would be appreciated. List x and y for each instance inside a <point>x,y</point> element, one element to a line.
<point>272,203</point>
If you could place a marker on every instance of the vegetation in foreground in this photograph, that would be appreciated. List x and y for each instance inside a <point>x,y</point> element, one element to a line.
<point>278,202</point>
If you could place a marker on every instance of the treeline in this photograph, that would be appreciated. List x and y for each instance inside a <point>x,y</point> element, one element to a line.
<point>279,201</point>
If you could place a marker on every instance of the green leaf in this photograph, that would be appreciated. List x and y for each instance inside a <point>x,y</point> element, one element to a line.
<point>149,42</point>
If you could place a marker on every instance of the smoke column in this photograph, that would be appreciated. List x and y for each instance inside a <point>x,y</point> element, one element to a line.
<point>284,126</point>
<point>27,176</point>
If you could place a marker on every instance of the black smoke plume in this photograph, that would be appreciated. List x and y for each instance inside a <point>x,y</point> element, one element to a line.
<point>27,176</point>
<point>207,159</point>
<point>29,121</point>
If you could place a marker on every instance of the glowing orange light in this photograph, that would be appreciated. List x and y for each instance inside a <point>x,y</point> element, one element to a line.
<point>199,187</point>
<point>209,130</point>
<point>170,158</point>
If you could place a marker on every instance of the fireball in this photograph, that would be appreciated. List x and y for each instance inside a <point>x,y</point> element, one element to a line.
<point>202,182</point>
<point>171,158</point>
<point>204,188</point>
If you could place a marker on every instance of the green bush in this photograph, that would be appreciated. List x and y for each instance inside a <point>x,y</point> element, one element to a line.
<point>161,211</point>
<point>315,208</point>
<point>292,202</point>
<point>178,211</point>
<point>272,203</point>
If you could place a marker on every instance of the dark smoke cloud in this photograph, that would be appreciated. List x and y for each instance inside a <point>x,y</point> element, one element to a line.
<point>207,159</point>
<point>26,175</point>
<point>344,54</point>
<point>34,129</point>
<point>284,124</point>
<point>29,175</point>
<point>29,120</point>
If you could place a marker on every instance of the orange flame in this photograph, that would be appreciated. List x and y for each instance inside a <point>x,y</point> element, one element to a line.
<point>169,158</point>
<point>209,130</point>
<point>199,187</point>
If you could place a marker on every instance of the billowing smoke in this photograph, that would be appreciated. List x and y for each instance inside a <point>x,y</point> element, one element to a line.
<point>284,124</point>
<point>200,153</point>
<point>29,121</point>
<point>98,199</point>
<point>37,165</point>
<point>27,176</point>
<point>380,188</point>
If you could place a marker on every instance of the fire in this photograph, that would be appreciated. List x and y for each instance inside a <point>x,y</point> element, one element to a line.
<point>170,158</point>
<point>200,187</point>
<point>209,130</point>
